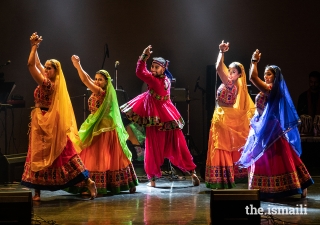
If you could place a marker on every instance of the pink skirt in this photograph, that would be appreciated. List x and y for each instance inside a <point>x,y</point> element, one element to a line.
<point>279,172</point>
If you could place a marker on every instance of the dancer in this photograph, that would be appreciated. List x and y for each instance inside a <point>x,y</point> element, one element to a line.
<point>103,137</point>
<point>52,161</point>
<point>229,126</point>
<point>154,110</point>
<point>273,147</point>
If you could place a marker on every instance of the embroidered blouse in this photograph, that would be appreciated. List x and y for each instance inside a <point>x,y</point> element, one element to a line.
<point>95,101</point>
<point>262,99</point>
<point>43,93</point>
<point>227,93</point>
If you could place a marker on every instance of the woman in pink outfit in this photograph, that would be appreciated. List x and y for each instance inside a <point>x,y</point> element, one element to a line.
<point>154,110</point>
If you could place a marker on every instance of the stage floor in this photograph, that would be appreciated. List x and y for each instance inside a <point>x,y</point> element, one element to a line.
<point>173,201</point>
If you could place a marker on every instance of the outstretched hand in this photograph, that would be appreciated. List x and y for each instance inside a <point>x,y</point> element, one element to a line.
<point>35,39</point>
<point>256,55</point>
<point>75,60</point>
<point>224,47</point>
<point>147,50</point>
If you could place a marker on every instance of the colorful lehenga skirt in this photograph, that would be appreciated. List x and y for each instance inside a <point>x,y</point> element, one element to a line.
<point>228,132</point>
<point>279,172</point>
<point>108,166</point>
<point>67,170</point>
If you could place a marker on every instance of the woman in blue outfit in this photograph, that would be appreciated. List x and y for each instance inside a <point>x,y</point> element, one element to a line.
<point>273,148</point>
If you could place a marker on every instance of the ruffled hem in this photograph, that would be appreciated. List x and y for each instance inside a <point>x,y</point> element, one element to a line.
<point>155,121</point>
<point>147,111</point>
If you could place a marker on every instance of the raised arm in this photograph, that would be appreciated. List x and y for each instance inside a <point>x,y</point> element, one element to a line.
<point>141,69</point>
<point>38,64</point>
<point>35,72</point>
<point>253,73</point>
<point>85,78</point>
<point>221,68</point>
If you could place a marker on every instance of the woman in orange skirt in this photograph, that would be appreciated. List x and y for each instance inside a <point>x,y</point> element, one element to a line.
<point>53,162</point>
<point>103,138</point>
<point>229,126</point>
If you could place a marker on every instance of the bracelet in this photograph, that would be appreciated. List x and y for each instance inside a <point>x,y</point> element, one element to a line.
<point>221,51</point>
<point>254,60</point>
<point>144,56</point>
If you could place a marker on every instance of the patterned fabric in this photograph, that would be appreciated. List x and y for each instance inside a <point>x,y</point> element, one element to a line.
<point>273,146</point>
<point>262,99</point>
<point>228,132</point>
<point>109,181</point>
<point>103,140</point>
<point>158,97</point>
<point>95,101</point>
<point>43,94</point>
<point>49,131</point>
<point>153,107</point>
<point>67,170</point>
<point>163,122</point>
<point>154,121</point>
<point>279,172</point>
<point>221,177</point>
<point>227,93</point>
<point>106,117</point>
<point>278,119</point>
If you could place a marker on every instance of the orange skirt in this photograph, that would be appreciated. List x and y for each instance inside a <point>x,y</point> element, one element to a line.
<point>228,132</point>
<point>108,166</point>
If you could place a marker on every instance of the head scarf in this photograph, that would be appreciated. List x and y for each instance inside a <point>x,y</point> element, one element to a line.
<point>49,131</point>
<point>106,118</point>
<point>243,101</point>
<point>164,64</point>
<point>278,118</point>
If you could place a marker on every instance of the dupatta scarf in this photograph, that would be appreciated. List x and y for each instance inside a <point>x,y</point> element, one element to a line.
<point>49,132</point>
<point>278,119</point>
<point>106,118</point>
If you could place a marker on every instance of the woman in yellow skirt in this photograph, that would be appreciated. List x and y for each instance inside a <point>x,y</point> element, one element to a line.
<point>229,126</point>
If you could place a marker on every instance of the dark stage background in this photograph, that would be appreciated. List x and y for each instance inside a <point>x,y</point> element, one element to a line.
<point>186,32</point>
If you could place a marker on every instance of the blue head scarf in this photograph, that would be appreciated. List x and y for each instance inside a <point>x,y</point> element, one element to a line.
<point>278,119</point>
<point>163,63</point>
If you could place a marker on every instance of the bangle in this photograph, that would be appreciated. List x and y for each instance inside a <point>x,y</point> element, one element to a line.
<point>254,60</point>
<point>144,56</point>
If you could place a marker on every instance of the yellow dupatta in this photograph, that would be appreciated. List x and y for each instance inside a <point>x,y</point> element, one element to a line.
<point>48,134</point>
<point>230,125</point>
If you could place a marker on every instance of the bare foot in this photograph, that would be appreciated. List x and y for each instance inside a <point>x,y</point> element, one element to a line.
<point>85,193</point>
<point>132,190</point>
<point>195,180</point>
<point>92,188</point>
<point>152,183</point>
<point>36,196</point>
<point>304,193</point>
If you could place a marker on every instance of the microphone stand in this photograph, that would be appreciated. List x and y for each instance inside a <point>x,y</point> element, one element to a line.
<point>116,75</point>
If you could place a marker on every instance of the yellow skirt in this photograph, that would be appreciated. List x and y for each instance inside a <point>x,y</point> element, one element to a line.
<point>228,133</point>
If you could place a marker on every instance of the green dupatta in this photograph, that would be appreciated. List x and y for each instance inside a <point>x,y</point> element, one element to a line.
<point>106,118</point>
